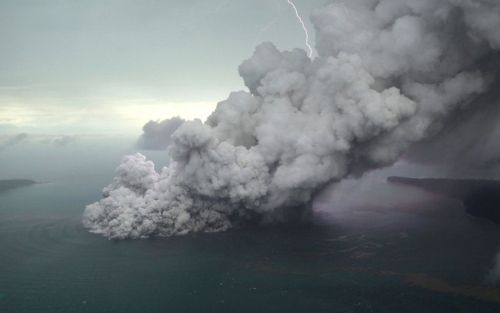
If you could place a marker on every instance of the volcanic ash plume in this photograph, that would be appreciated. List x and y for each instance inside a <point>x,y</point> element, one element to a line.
<point>158,135</point>
<point>389,73</point>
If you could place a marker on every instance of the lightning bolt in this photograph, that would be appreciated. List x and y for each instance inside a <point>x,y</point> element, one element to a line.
<point>301,21</point>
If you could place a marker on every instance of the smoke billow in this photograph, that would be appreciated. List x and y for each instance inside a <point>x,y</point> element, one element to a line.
<point>469,141</point>
<point>389,73</point>
<point>157,134</point>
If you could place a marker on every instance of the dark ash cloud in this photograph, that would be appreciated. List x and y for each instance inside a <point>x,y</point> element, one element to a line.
<point>470,140</point>
<point>157,134</point>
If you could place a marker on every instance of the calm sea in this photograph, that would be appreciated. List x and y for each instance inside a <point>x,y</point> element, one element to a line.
<point>395,260</point>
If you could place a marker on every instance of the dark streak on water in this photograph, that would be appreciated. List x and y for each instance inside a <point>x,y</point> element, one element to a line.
<point>8,184</point>
<point>49,263</point>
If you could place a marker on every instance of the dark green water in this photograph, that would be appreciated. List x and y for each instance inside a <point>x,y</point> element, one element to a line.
<point>49,263</point>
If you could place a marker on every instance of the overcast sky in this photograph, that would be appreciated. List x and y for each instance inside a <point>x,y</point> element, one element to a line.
<point>108,66</point>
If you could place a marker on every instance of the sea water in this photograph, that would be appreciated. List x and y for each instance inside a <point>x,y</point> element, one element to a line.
<point>396,260</point>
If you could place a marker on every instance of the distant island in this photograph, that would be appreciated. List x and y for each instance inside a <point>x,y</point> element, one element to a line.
<point>480,197</point>
<point>8,184</point>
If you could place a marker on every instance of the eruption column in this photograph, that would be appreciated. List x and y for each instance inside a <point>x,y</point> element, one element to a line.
<point>388,74</point>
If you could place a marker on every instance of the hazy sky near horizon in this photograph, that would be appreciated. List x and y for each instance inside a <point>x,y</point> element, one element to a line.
<point>108,66</point>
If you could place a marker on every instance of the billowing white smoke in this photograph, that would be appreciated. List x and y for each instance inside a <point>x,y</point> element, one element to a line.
<point>389,73</point>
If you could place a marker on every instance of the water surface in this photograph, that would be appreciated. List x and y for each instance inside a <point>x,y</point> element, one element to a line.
<point>402,260</point>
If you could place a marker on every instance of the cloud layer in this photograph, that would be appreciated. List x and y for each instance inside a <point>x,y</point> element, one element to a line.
<point>12,141</point>
<point>389,74</point>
